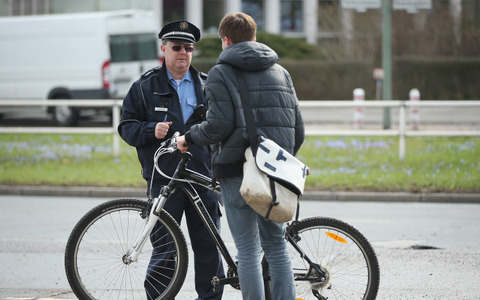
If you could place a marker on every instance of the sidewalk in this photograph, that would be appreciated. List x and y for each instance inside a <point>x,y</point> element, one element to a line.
<point>117,192</point>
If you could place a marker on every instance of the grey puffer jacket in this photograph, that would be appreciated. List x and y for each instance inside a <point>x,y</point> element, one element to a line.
<point>274,103</point>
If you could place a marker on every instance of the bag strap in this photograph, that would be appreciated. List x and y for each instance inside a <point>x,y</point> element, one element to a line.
<point>252,130</point>
<point>247,110</point>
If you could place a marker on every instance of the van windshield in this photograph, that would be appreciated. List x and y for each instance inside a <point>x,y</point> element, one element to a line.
<point>133,47</point>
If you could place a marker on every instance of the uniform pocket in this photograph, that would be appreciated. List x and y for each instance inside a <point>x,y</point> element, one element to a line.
<point>188,107</point>
<point>192,102</point>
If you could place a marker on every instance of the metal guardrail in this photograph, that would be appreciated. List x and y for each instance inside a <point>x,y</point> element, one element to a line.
<point>401,132</point>
<point>114,104</point>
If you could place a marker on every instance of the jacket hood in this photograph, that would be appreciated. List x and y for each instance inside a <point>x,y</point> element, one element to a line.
<point>248,56</point>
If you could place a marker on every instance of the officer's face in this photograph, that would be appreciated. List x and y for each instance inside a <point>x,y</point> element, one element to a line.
<point>178,57</point>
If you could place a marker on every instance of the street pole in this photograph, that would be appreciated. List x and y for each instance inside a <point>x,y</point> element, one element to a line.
<point>387,58</point>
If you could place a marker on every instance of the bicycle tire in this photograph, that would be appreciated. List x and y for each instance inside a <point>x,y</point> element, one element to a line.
<point>342,252</point>
<point>95,249</point>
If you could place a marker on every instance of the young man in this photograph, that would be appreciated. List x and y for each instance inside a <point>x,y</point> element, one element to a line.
<point>277,117</point>
<point>165,100</point>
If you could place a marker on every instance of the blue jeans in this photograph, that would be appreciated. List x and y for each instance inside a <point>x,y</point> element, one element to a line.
<point>250,231</point>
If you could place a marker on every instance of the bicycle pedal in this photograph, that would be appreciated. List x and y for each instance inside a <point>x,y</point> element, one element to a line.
<point>216,284</point>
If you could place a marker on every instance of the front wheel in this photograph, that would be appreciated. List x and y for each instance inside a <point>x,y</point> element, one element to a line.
<point>344,256</point>
<point>96,254</point>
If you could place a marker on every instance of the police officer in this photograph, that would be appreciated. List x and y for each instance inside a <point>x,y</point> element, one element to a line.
<point>164,100</point>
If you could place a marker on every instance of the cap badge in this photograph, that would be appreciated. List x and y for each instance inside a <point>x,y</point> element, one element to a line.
<point>183,25</point>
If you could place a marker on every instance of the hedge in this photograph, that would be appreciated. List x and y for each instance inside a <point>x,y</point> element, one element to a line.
<point>436,79</point>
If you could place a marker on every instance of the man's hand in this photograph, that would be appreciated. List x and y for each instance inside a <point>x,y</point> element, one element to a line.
<point>181,144</point>
<point>161,129</point>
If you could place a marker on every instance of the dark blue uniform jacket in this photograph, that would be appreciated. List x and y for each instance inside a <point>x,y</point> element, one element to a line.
<point>150,100</point>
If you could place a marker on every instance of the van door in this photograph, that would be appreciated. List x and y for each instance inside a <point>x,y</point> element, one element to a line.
<point>130,56</point>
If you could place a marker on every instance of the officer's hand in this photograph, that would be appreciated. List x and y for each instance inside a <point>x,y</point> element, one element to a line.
<point>161,129</point>
<point>181,144</point>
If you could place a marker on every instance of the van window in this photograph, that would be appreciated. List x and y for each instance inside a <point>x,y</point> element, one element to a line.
<point>133,47</point>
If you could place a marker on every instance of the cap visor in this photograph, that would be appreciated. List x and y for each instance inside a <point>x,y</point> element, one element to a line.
<point>180,40</point>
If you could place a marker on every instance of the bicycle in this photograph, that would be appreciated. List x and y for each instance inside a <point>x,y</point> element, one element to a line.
<point>107,253</point>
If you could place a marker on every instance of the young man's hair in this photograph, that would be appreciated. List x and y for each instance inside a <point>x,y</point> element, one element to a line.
<point>238,27</point>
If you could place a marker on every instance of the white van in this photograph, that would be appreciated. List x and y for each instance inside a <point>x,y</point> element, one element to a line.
<point>75,56</point>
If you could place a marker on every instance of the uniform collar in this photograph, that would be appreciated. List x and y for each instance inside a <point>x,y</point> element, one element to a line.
<point>187,76</point>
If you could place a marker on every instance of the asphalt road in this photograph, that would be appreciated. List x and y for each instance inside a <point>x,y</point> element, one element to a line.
<point>34,230</point>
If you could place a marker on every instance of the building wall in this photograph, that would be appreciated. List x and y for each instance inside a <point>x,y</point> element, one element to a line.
<point>318,21</point>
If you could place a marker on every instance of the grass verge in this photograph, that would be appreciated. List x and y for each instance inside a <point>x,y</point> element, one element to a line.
<point>337,163</point>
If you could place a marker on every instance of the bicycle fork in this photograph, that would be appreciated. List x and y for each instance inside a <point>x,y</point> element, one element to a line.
<point>133,253</point>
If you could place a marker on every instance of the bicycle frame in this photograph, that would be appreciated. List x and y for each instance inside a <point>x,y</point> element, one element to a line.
<point>291,238</point>
<point>187,177</point>
<point>199,206</point>
<point>158,203</point>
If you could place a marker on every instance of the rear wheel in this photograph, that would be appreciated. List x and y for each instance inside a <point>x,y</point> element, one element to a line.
<point>341,252</point>
<point>344,264</point>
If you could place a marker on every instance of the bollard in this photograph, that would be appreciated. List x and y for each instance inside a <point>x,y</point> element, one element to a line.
<point>358,97</point>
<point>414,95</point>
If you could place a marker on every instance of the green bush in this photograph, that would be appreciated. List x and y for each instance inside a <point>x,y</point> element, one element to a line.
<point>208,47</point>
<point>286,48</point>
<point>317,79</point>
<point>290,48</point>
<point>438,79</point>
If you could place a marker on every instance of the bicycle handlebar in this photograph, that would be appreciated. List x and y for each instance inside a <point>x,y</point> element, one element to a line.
<point>181,174</point>
<point>170,145</point>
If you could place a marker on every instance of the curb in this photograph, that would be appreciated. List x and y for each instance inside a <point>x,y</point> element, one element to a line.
<point>393,197</point>
<point>72,191</point>
<point>121,192</point>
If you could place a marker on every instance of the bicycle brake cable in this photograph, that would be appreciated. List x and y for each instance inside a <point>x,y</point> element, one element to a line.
<point>161,151</point>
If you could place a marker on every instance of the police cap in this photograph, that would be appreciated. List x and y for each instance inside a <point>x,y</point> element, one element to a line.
<point>181,32</point>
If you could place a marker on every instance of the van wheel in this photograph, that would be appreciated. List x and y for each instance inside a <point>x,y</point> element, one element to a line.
<point>65,115</point>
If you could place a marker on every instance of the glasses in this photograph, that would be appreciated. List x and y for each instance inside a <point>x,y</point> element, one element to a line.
<point>177,48</point>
